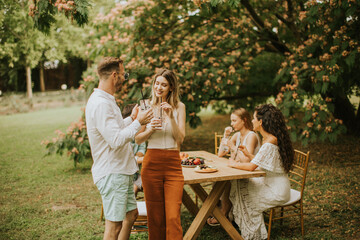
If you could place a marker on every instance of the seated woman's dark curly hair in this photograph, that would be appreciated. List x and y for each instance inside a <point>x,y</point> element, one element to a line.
<point>273,122</point>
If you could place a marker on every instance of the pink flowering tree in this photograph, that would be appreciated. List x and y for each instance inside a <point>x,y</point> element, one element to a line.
<point>209,52</point>
<point>304,54</point>
<point>243,53</point>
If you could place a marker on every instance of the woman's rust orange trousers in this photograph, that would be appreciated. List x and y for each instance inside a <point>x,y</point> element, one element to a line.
<point>163,184</point>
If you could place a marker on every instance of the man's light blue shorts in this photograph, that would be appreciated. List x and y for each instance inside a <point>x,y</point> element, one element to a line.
<point>118,197</point>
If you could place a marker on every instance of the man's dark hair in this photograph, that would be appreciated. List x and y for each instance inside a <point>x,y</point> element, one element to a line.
<point>108,65</point>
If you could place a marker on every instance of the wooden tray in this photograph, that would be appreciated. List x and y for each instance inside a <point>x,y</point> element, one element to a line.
<point>206,170</point>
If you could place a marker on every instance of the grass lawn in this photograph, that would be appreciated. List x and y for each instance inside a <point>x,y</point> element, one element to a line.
<point>47,198</point>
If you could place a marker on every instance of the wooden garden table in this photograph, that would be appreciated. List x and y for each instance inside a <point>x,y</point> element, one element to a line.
<point>221,178</point>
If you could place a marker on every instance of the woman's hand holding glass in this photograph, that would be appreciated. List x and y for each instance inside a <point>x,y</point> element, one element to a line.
<point>155,124</point>
<point>145,116</point>
<point>227,132</point>
<point>224,144</point>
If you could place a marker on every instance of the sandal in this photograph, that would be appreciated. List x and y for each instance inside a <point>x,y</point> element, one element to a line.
<point>210,222</point>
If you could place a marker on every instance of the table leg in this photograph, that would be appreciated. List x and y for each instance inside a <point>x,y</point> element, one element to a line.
<point>225,223</point>
<point>205,211</point>
<point>189,203</point>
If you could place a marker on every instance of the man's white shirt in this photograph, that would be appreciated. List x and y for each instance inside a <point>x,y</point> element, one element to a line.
<point>109,136</point>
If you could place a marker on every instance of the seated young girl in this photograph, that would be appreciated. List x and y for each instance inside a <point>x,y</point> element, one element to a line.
<point>245,136</point>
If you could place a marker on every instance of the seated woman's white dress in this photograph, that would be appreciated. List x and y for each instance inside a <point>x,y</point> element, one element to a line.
<point>251,197</point>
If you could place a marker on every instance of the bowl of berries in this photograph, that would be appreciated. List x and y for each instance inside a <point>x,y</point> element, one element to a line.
<point>192,162</point>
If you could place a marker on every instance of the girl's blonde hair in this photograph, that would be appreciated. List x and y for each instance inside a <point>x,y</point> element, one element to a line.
<point>173,97</point>
<point>245,116</point>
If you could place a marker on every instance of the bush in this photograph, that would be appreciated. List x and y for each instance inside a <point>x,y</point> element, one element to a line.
<point>74,142</point>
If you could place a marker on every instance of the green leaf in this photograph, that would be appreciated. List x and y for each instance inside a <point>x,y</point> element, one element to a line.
<point>350,60</point>
<point>331,107</point>
<point>333,78</point>
<point>286,112</point>
<point>317,87</point>
<point>325,87</point>
<point>307,116</point>
<point>293,136</point>
<point>350,11</point>
<point>322,115</point>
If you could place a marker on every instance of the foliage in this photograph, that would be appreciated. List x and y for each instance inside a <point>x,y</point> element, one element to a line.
<point>228,51</point>
<point>205,48</point>
<point>75,142</point>
<point>304,53</point>
<point>324,72</point>
<point>18,45</point>
<point>43,12</point>
<point>22,45</point>
<point>320,71</point>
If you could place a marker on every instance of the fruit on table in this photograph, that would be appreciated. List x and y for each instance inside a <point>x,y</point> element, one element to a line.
<point>192,161</point>
<point>197,161</point>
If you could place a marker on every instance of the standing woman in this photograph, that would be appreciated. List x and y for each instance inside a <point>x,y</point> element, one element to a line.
<point>161,173</point>
<point>251,197</point>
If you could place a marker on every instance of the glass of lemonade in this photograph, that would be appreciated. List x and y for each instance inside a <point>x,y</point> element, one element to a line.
<point>144,104</point>
<point>158,114</point>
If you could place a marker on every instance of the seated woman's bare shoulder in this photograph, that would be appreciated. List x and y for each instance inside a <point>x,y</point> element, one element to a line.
<point>272,139</point>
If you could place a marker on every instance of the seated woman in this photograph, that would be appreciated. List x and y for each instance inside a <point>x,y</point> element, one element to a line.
<point>244,136</point>
<point>251,197</point>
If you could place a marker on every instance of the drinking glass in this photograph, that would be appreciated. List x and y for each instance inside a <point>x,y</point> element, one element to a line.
<point>144,104</point>
<point>158,112</point>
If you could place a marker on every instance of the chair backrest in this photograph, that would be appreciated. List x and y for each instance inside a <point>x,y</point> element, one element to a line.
<point>141,206</point>
<point>218,138</point>
<point>297,175</point>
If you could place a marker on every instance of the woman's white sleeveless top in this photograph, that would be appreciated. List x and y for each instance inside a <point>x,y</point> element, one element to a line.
<point>163,139</point>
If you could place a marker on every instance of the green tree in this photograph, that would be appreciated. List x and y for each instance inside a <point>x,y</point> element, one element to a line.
<point>320,42</point>
<point>221,50</point>
<point>23,46</point>
<point>304,54</point>
<point>44,12</point>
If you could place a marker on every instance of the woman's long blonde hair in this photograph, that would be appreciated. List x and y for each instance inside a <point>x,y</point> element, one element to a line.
<point>173,97</point>
<point>245,116</point>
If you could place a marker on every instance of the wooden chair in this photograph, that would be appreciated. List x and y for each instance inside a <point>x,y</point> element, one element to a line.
<point>140,224</point>
<point>294,207</point>
<point>217,139</point>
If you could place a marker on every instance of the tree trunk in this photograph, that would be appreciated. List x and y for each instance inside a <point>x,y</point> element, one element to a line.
<point>28,82</point>
<point>345,111</point>
<point>42,82</point>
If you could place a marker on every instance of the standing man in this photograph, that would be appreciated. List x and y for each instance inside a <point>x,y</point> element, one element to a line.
<point>110,139</point>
